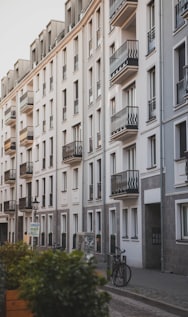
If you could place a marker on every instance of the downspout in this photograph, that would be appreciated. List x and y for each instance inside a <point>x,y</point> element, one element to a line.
<point>161,133</point>
<point>56,163</point>
<point>103,135</point>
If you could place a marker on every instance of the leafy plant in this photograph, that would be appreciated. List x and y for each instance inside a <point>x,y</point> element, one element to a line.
<point>63,285</point>
<point>10,255</point>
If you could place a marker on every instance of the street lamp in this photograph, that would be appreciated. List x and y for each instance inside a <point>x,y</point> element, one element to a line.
<point>35,232</point>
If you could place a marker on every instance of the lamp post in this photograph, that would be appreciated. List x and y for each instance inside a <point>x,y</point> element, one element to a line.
<point>34,225</point>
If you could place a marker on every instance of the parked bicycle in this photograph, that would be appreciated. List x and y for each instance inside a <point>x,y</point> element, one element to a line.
<point>121,272</point>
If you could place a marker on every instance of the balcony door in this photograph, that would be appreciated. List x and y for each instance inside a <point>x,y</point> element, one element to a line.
<point>129,158</point>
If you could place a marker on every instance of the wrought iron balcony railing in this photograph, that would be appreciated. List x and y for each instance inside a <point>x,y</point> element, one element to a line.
<point>126,182</point>
<point>72,150</point>
<point>10,206</point>
<point>126,56</point>
<point>25,203</point>
<point>184,8</point>
<point>126,118</point>
<point>127,6</point>
<point>10,176</point>
<point>26,169</point>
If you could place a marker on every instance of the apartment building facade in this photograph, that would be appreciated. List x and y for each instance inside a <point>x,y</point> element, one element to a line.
<point>85,125</point>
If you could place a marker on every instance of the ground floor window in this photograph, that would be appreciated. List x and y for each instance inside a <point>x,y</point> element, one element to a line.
<point>181,208</point>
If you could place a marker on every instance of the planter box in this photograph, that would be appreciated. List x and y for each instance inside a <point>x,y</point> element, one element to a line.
<point>16,307</point>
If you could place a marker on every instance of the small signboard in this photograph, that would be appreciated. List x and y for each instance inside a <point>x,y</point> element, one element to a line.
<point>85,241</point>
<point>34,229</point>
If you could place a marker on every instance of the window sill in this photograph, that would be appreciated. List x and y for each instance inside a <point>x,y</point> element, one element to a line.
<point>184,241</point>
<point>151,167</point>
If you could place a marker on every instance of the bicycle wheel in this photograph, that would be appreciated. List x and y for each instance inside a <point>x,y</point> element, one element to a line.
<point>128,274</point>
<point>121,275</point>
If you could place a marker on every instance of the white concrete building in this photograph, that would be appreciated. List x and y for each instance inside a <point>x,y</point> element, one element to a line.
<point>82,130</point>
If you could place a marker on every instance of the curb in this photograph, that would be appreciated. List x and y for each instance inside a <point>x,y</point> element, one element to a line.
<point>181,312</point>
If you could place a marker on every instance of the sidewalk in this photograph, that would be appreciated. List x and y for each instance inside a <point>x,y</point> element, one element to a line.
<point>154,287</point>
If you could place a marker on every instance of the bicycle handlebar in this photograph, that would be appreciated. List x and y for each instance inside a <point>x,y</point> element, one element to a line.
<point>120,251</point>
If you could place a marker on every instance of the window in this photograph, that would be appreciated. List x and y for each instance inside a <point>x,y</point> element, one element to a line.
<point>99,171</point>
<point>179,75</point>
<point>64,231</point>
<point>151,31</point>
<point>38,82</point>
<point>90,123</point>
<point>99,139</point>
<point>181,209</point>
<point>37,117</point>
<point>181,140</point>
<point>37,152</point>
<point>76,54</point>
<point>113,106</point>
<point>179,20</point>
<point>90,221</point>
<point>98,231</point>
<point>43,192</point>
<point>75,229</point>
<point>64,181</point>
<point>134,223</point>
<point>98,27</point>
<point>50,229</point>
<point>64,70</point>
<point>91,181</point>
<point>50,190</point>
<point>152,95</point>
<point>51,113</point>
<point>130,157</point>
<point>152,151</point>
<point>113,163</point>
<point>75,178</point>
<point>124,223</point>
<point>184,221</point>
<point>98,78</point>
<point>64,104</point>
<point>90,37</point>
<point>90,85</point>
<point>129,96</point>
<point>51,75</point>
<point>112,230</point>
<point>51,152</point>
<point>76,97</point>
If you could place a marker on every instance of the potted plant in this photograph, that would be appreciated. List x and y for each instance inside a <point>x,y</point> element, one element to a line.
<point>11,255</point>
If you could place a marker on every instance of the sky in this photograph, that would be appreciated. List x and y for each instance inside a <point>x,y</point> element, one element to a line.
<point>21,21</point>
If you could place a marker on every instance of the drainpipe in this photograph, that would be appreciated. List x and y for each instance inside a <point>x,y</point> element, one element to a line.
<point>56,163</point>
<point>104,133</point>
<point>161,132</point>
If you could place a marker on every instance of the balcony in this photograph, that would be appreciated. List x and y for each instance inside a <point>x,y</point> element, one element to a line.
<point>26,102</point>
<point>122,12</point>
<point>25,204</point>
<point>26,136</point>
<point>184,8</point>
<point>125,184</point>
<point>124,124</point>
<point>72,152</point>
<point>10,116</point>
<point>10,176</point>
<point>124,62</point>
<point>10,206</point>
<point>10,146</point>
<point>26,170</point>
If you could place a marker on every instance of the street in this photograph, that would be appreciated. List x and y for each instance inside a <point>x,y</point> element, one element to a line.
<point>121,306</point>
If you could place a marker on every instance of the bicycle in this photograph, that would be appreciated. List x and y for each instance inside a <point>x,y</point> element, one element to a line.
<point>121,272</point>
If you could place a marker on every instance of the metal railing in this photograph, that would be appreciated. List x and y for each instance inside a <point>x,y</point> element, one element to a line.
<point>125,182</point>
<point>126,55</point>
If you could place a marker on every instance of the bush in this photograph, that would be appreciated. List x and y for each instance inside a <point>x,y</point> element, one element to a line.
<point>63,285</point>
<point>11,255</point>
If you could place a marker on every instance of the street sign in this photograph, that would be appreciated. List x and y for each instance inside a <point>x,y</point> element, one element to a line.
<point>34,229</point>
